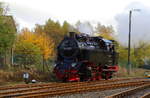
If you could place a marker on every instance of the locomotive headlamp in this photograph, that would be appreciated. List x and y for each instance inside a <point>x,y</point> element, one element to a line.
<point>73,64</point>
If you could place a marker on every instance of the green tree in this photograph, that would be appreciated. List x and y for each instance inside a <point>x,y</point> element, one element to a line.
<point>141,53</point>
<point>26,53</point>
<point>123,55</point>
<point>7,34</point>
<point>53,30</point>
<point>66,27</point>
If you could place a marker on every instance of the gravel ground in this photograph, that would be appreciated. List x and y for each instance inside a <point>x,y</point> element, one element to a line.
<point>96,94</point>
<point>139,94</point>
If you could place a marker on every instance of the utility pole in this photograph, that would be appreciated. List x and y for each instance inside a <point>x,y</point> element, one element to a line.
<point>129,41</point>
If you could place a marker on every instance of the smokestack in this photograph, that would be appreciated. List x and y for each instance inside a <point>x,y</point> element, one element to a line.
<point>72,34</point>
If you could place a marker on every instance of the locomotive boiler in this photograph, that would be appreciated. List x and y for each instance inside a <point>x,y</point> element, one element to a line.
<point>81,57</point>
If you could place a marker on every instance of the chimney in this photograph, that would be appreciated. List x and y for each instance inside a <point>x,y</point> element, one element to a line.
<point>72,34</point>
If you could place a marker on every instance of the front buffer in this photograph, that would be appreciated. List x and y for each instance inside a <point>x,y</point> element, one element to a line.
<point>66,72</point>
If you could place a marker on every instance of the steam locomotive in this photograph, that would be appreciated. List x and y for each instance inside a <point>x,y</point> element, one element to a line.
<point>81,57</point>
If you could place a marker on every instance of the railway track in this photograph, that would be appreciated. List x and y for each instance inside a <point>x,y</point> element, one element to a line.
<point>52,89</point>
<point>26,86</point>
<point>2,88</point>
<point>147,95</point>
<point>138,92</point>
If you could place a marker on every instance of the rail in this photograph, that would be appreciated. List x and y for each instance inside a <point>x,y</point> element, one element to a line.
<point>130,91</point>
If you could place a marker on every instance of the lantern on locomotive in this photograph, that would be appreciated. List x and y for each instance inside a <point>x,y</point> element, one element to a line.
<point>83,58</point>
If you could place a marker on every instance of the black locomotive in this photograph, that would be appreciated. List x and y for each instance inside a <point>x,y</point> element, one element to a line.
<point>84,58</point>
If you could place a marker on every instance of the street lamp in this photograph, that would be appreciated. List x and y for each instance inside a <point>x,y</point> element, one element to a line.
<point>129,40</point>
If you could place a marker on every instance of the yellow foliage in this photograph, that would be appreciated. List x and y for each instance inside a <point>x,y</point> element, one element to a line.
<point>45,43</point>
<point>107,36</point>
<point>105,31</point>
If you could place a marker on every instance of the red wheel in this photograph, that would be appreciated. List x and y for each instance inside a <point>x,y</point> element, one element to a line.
<point>108,75</point>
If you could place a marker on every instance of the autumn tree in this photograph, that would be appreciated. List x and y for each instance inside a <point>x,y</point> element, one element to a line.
<point>66,27</point>
<point>46,45</point>
<point>53,30</point>
<point>38,28</point>
<point>26,52</point>
<point>105,31</point>
<point>30,45</point>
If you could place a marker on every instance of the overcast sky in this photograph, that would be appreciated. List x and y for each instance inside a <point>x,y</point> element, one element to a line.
<point>109,12</point>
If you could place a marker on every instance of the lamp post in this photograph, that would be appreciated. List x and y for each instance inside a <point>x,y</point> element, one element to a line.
<point>129,39</point>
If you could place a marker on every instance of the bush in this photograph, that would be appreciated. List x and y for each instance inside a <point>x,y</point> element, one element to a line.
<point>16,75</point>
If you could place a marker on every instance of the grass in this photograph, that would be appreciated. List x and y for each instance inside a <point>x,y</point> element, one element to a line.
<point>135,72</point>
<point>11,83</point>
<point>15,75</point>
